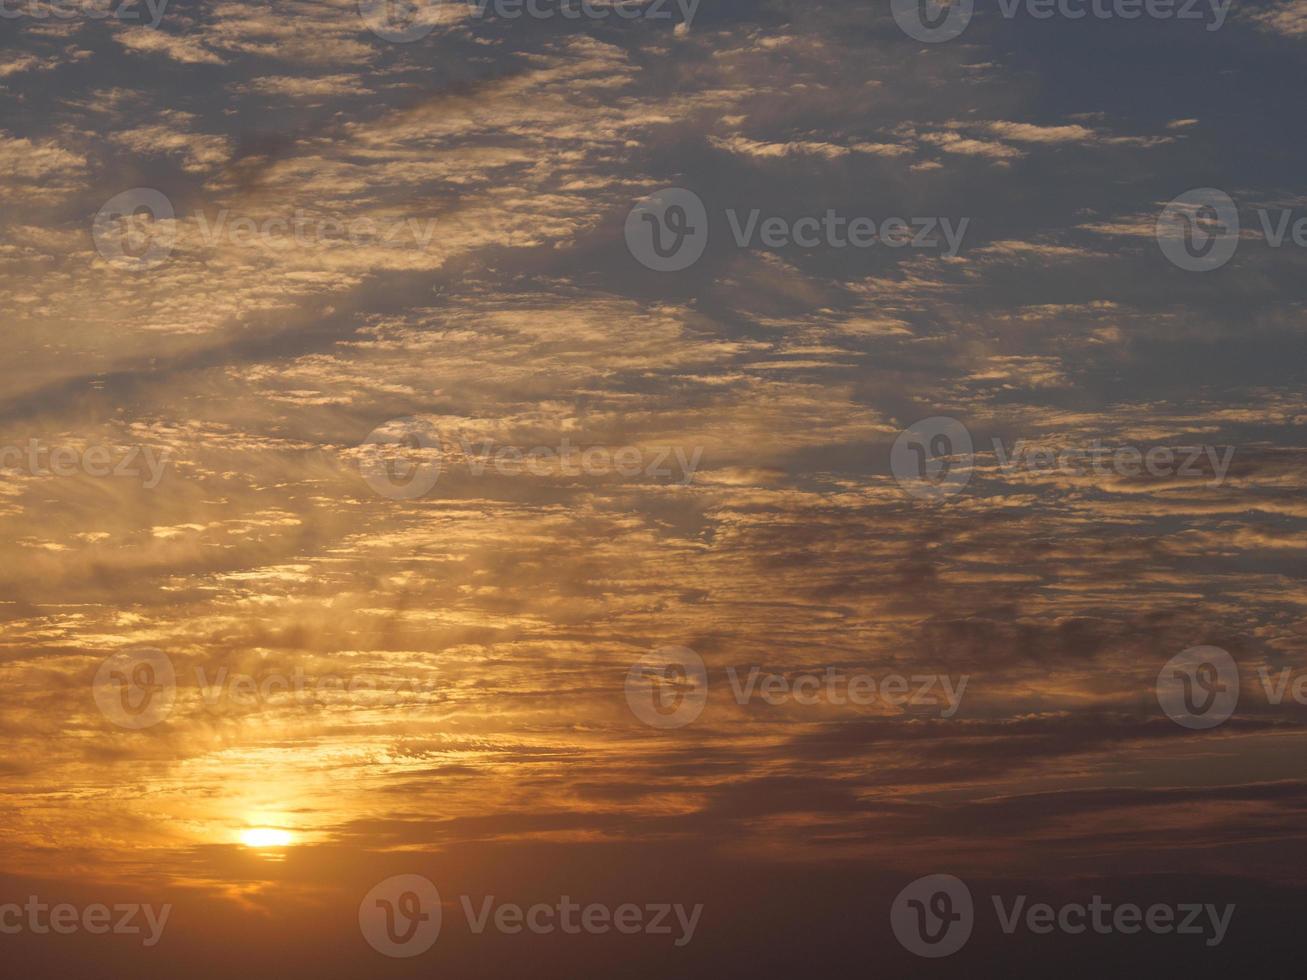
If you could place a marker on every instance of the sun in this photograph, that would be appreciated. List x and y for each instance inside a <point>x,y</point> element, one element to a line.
<point>266,837</point>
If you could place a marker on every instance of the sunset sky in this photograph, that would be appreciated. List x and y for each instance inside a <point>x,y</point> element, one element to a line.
<point>231,405</point>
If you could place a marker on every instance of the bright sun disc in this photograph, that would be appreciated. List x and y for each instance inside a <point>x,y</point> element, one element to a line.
<point>265,837</point>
